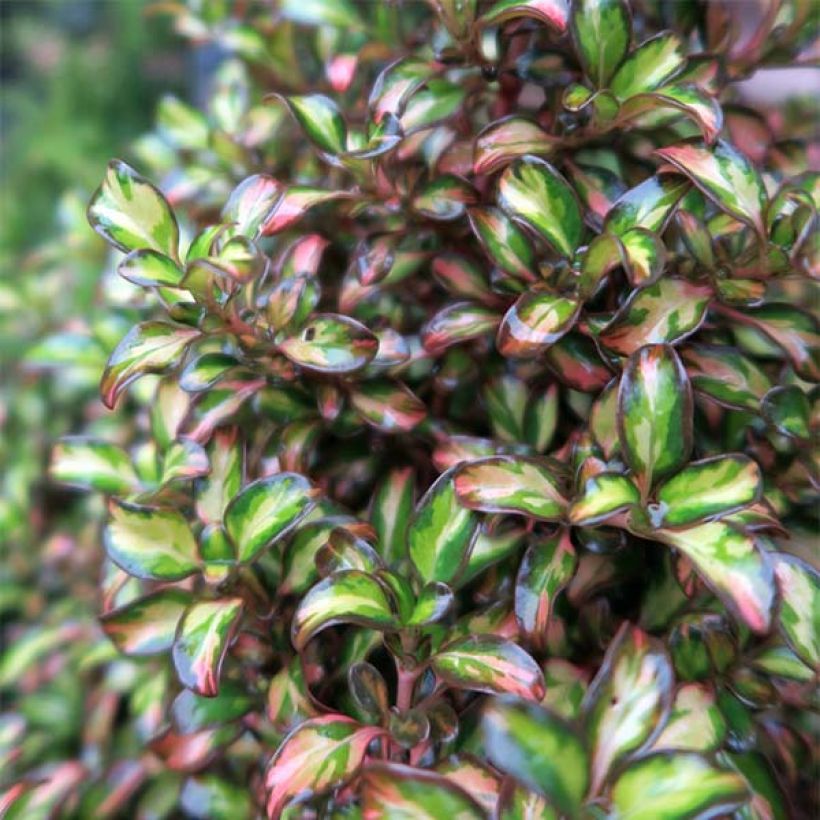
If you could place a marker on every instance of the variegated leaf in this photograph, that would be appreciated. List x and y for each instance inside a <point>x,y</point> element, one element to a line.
<point>266,510</point>
<point>733,565</point>
<point>649,205</point>
<point>603,495</point>
<point>533,192</point>
<point>321,120</point>
<point>511,484</point>
<point>505,140</point>
<point>388,406</point>
<point>547,567</point>
<point>601,32</point>
<point>726,176</point>
<point>628,702</point>
<point>654,414</point>
<point>147,625</point>
<point>331,344</point>
<point>130,213</point>
<point>553,13</point>
<point>536,321</point>
<point>652,63</point>
<point>390,510</point>
<point>441,532</point>
<point>725,375</point>
<point>684,784</point>
<point>539,749</point>
<point>150,347</point>
<point>317,755</point>
<point>250,203</point>
<point>665,312</point>
<point>799,614</point>
<point>709,488</point>
<point>203,638</point>
<point>395,790</point>
<point>350,596</point>
<point>150,542</point>
<point>93,464</point>
<point>504,242</point>
<point>695,722</point>
<point>456,323</point>
<point>487,663</point>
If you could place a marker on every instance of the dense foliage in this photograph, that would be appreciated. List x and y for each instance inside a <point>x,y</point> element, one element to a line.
<point>463,461</point>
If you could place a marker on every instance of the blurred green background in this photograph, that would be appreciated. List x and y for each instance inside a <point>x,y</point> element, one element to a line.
<point>79,81</point>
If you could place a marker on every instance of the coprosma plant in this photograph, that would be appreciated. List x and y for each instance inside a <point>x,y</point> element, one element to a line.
<point>485,413</point>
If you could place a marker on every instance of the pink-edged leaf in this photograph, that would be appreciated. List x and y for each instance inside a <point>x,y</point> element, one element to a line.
<point>319,754</point>
<point>627,703</point>
<point>552,13</point>
<point>547,567</point>
<point>505,140</point>
<point>486,663</point>
<point>725,176</point>
<point>250,203</point>
<point>536,321</point>
<point>203,638</point>
<point>511,484</point>
<point>388,406</point>
<point>459,322</point>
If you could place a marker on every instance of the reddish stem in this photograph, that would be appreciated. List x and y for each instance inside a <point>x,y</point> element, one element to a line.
<point>404,695</point>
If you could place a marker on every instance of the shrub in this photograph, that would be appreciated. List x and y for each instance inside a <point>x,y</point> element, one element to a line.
<point>466,413</point>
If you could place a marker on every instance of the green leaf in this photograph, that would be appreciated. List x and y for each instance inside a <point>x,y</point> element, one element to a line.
<point>250,204</point>
<point>654,414</point>
<point>665,312</point>
<point>726,176</point>
<point>547,567</point>
<point>182,124</point>
<point>510,484</point>
<point>733,565</point>
<point>462,277</point>
<point>368,689</point>
<point>441,533</point>
<point>602,255</point>
<point>150,268</point>
<point>202,641</point>
<point>93,465</point>
<point>192,713</point>
<point>266,510</point>
<point>539,749</point>
<point>504,242</point>
<point>505,140</point>
<point>533,192</point>
<point>389,406</point>
<point>676,785</point>
<point>210,797</point>
<point>725,375</point>
<point>649,205</point>
<point>604,495</point>
<point>349,596</point>
<point>147,625</point>
<point>601,32</point>
<point>709,488</point>
<point>552,13</point>
<point>390,509</point>
<point>536,321</point>
<point>149,542</point>
<point>434,602</point>
<point>130,213</point>
<point>628,702</point>
<point>294,203</point>
<point>331,344</point>
<point>395,790</point>
<point>150,347</point>
<point>651,64</point>
<point>799,614</point>
<point>487,663</point>
<point>456,323</point>
<point>321,121</point>
<point>317,755</point>
<point>788,410</point>
<point>541,418</point>
<point>695,722</point>
<point>395,85</point>
<point>439,100</point>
